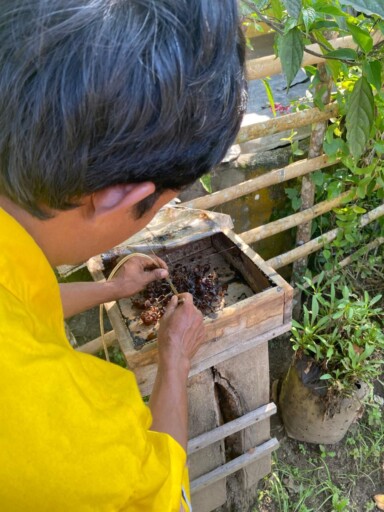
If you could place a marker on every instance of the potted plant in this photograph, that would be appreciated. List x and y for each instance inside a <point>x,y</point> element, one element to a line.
<point>338,347</point>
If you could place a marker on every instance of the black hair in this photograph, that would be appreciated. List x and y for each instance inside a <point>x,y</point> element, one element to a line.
<point>95,93</point>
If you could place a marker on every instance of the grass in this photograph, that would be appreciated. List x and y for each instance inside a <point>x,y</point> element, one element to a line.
<point>328,478</point>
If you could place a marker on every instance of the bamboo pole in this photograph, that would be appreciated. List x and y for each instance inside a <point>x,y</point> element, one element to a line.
<point>92,347</point>
<point>317,243</point>
<point>280,225</point>
<point>266,180</point>
<point>304,231</point>
<point>271,65</point>
<point>345,262</point>
<point>250,130</point>
<point>369,247</point>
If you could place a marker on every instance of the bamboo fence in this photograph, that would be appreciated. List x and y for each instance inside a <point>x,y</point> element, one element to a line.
<point>261,68</point>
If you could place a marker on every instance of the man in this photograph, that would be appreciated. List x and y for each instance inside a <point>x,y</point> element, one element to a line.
<point>107,109</point>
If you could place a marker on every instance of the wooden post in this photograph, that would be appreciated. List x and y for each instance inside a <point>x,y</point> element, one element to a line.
<point>308,187</point>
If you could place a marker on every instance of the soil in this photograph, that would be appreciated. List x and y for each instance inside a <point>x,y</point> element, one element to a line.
<point>345,470</point>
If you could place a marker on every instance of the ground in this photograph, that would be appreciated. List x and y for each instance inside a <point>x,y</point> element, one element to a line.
<point>325,478</point>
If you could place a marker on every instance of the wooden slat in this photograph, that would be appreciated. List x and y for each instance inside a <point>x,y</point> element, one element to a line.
<point>267,269</point>
<point>251,129</point>
<point>266,180</point>
<point>206,439</point>
<point>280,225</point>
<point>97,344</point>
<point>234,465</point>
<point>261,311</point>
<point>317,243</point>
<point>271,65</point>
<point>145,375</point>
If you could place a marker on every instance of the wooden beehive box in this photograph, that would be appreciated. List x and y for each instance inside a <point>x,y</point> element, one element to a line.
<point>257,301</point>
<point>229,409</point>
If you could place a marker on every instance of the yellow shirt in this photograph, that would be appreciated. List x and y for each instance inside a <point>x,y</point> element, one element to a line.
<point>73,429</point>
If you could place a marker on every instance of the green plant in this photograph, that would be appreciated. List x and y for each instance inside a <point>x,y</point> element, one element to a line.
<point>355,137</point>
<point>341,333</point>
<point>309,489</point>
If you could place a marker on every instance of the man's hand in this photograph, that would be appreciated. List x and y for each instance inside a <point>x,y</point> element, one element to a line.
<point>136,273</point>
<point>180,334</point>
<point>133,276</point>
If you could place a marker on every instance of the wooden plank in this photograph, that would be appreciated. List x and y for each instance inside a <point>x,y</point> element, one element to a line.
<point>145,375</point>
<point>259,309</point>
<point>259,414</point>
<point>95,345</point>
<point>204,415</point>
<point>256,279</point>
<point>288,305</point>
<point>234,465</point>
<point>267,269</point>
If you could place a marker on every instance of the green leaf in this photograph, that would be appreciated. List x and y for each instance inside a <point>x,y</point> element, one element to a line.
<point>366,6</point>
<point>309,16</point>
<point>359,210</point>
<point>329,9</point>
<point>334,68</point>
<point>270,97</point>
<point>360,117</point>
<point>206,182</point>
<point>318,178</point>
<point>361,37</point>
<point>327,254</point>
<point>315,308</point>
<point>372,71</point>
<point>293,7</point>
<point>332,147</point>
<point>277,9</point>
<point>326,376</point>
<point>379,147</point>
<point>344,54</point>
<point>291,49</point>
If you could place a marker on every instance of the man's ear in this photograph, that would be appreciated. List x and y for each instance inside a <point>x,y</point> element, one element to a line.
<point>118,198</point>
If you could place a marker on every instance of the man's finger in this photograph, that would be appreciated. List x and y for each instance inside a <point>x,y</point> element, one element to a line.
<point>171,306</point>
<point>160,273</point>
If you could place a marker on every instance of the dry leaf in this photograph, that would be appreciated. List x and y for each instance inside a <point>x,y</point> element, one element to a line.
<point>379,500</point>
<point>308,367</point>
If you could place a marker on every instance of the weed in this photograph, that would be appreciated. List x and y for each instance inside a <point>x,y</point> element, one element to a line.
<point>328,480</point>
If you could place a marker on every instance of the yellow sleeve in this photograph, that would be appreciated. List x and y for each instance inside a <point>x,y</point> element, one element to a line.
<point>163,474</point>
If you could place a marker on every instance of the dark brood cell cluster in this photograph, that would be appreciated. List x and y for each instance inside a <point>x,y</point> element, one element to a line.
<point>200,281</point>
